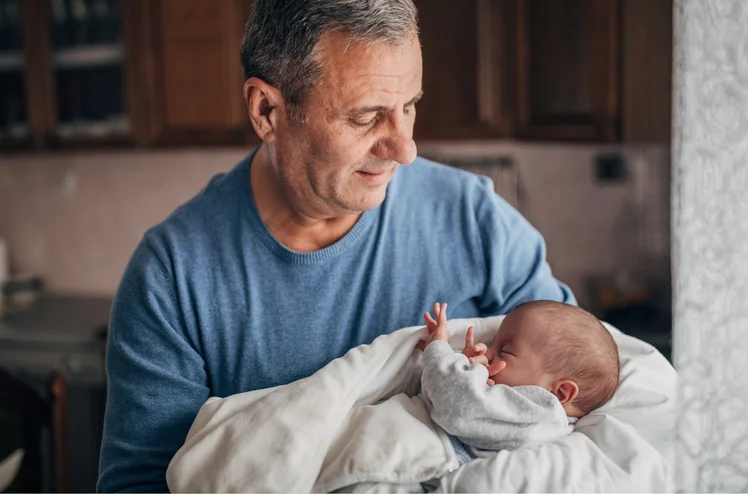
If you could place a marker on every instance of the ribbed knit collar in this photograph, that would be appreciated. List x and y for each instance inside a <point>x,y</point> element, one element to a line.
<point>283,252</point>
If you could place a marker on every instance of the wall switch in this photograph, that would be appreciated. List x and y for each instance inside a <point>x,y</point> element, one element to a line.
<point>610,167</point>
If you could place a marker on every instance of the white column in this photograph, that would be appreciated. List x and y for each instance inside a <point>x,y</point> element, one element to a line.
<point>710,243</point>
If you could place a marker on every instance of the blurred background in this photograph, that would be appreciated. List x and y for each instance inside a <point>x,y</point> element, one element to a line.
<point>114,112</point>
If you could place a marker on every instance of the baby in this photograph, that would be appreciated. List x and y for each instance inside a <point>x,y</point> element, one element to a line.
<point>548,365</point>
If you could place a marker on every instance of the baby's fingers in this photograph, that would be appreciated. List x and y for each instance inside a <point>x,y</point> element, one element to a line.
<point>496,367</point>
<point>480,349</point>
<point>479,359</point>
<point>430,323</point>
<point>443,314</point>
<point>469,338</point>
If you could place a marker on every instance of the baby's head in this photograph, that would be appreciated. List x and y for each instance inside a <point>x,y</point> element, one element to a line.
<point>561,348</point>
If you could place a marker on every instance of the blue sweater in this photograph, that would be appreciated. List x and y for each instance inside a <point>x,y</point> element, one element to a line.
<point>212,305</point>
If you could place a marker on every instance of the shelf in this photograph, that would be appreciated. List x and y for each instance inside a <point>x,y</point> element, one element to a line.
<point>115,126</point>
<point>10,61</point>
<point>88,56</point>
<point>15,131</point>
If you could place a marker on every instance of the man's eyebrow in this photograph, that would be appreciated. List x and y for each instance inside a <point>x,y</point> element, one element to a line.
<point>415,99</point>
<point>356,112</point>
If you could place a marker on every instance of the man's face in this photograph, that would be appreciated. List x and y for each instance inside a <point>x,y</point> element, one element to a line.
<point>357,128</point>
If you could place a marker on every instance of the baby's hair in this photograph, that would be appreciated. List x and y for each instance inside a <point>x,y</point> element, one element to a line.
<point>575,345</point>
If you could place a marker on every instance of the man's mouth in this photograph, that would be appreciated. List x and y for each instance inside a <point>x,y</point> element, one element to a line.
<point>374,177</point>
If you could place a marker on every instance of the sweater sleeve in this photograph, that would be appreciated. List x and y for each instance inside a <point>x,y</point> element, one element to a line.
<point>515,256</point>
<point>156,379</point>
<point>482,416</point>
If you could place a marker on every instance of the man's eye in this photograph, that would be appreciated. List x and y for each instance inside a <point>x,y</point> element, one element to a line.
<point>367,123</point>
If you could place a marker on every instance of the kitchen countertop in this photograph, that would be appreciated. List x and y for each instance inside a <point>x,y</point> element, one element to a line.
<point>57,319</point>
<point>59,332</point>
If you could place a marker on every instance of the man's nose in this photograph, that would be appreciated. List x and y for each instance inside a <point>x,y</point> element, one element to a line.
<point>398,145</point>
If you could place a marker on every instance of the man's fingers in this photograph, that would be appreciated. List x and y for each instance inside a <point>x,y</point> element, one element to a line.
<point>479,359</point>
<point>421,345</point>
<point>491,382</point>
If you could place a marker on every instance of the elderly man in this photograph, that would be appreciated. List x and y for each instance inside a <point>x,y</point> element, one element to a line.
<point>317,242</point>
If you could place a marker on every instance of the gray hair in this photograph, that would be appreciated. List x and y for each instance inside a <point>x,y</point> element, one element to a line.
<point>280,44</point>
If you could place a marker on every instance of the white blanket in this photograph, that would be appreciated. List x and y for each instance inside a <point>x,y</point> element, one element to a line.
<point>333,430</point>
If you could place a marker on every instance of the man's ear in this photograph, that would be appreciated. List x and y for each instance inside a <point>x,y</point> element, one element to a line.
<point>565,390</point>
<point>264,106</point>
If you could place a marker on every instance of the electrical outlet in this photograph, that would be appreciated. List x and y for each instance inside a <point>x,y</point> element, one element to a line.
<point>610,167</point>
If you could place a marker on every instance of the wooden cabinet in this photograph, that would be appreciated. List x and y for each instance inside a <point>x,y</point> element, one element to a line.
<point>123,72</point>
<point>465,67</point>
<point>552,70</point>
<point>568,70</point>
<point>647,70</point>
<point>167,72</point>
<point>15,113</point>
<point>186,80</point>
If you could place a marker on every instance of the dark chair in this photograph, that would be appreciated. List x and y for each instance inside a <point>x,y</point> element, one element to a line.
<point>24,415</point>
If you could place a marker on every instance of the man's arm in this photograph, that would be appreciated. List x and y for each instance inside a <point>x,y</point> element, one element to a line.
<point>156,379</point>
<point>515,257</point>
<point>483,416</point>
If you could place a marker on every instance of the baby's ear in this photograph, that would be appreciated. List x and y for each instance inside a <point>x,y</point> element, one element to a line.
<point>565,390</point>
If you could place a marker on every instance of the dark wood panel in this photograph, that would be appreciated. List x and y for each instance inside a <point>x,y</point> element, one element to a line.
<point>187,78</point>
<point>40,85</point>
<point>202,75</point>
<point>647,70</point>
<point>568,69</point>
<point>464,68</point>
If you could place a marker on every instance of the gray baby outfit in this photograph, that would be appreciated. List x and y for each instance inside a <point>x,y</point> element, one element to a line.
<point>487,418</point>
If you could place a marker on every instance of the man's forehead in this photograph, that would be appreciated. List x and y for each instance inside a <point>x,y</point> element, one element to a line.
<point>376,73</point>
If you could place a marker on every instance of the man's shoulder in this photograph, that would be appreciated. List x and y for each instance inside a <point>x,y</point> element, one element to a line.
<point>197,219</point>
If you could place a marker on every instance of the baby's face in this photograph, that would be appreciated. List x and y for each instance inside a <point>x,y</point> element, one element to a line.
<point>514,344</point>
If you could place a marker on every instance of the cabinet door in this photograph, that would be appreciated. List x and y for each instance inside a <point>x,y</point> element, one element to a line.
<point>464,69</point>
<point>186,78</point>
<point>15,116</point>
<point>74,72</point>
<point>647,70</point>
<point>568,69</point>
<point>87,67</point>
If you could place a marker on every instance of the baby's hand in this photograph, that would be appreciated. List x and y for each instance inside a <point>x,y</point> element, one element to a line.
<point>437,328</point>
<point>475,353</point>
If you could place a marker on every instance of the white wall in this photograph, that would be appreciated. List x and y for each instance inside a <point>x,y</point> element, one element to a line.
<point>80,239</point>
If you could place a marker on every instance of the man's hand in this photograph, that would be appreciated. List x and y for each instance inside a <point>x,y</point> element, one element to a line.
<point>437,327</point>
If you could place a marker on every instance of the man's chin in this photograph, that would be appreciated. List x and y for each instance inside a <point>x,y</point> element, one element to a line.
<point>371,199</point>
